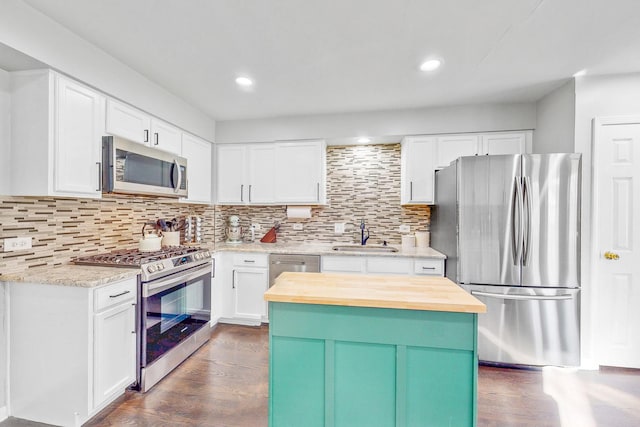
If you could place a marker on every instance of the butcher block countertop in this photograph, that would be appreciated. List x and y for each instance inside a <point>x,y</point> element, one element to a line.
<point>363,290</point>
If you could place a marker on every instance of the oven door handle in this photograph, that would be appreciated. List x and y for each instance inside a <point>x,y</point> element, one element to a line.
<point>157,286</point>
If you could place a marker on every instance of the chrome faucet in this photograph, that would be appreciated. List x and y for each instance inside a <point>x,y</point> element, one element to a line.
<point>363,239</point>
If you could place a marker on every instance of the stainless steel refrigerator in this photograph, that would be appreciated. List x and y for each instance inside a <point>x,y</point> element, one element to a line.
<point>510,227</point>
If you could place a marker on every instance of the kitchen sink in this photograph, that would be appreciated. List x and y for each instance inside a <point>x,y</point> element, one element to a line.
<point>363,248</point>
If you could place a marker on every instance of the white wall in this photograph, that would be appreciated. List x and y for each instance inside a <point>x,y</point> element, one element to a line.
<point>555,126</point>
<point>617,95</point>
<point>5,132</point>
<point>465,118</point>
<point>34,34</point>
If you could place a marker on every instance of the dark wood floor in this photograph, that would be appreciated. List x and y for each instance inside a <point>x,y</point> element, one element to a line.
<point>225,383</point>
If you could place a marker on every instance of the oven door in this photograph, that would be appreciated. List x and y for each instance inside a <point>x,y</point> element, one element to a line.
<point>173,308</point>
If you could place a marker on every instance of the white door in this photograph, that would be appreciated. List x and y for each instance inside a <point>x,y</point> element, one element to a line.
<point>166,137</point>
<point>453,146</point>
<point>250,284</point>
<point>503,143</point>
<point>115,351</point>
<point>198,154</point>
<point>299,172</point>
<point>261,171</point>
<point>230,174</point>
<point>128,122</point>
<point>78,141</point>
<point>417,170</point>
<point>617,234</point>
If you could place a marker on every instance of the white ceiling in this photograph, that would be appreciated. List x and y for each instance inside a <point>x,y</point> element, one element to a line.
<point>333,56</point>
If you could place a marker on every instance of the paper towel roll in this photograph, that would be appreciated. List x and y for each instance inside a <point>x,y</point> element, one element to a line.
<point>298,212</point>
<point>422,239</point>
<point>408,241</point>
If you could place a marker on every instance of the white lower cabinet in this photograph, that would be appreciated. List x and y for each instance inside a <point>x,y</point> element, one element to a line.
<point>72,349</point>
<point>240,283</point>
<point>383,265</point>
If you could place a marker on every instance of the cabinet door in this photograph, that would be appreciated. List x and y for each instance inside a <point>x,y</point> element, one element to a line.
<point>79,126</point>
<point>127,122</point>
<point>261,170</point>
<point>230,174</point>
<point>504,143</point>
<point>166,137</point>
<point>417,166</point>
<point>198,154</point>
<point>114,351</point>
<point>453,146</point>
<point>249,285</point>
<point>300,172</point>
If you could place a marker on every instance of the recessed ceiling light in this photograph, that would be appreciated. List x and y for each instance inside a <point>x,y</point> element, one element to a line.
<point>244,81</point>
<point>430,65</point>
<point>580,73</point>
<point>364,140</point>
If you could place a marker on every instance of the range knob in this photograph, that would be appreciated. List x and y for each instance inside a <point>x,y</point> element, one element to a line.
<point>160,266</point>
<point>206,254</point>
<point>197,256</point>
<point>152,268</point>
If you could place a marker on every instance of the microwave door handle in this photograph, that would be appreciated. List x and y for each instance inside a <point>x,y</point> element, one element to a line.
<point>178,184</point>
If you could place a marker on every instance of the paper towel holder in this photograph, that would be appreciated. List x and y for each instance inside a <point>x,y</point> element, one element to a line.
<point>298,213</point>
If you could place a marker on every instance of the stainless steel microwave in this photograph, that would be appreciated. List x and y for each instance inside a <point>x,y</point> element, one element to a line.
<point>133,168</point>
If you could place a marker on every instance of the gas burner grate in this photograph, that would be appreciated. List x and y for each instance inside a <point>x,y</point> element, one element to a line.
<point>133,257</point>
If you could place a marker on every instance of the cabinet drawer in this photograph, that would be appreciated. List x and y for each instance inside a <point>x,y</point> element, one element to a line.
<point>250,260</point>
<point>339,264</point>
<point>380,265</point>
<point>431,267</point>
<point>116,293</point>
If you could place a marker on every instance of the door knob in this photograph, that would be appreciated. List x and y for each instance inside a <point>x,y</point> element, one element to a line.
<point>611,255</point>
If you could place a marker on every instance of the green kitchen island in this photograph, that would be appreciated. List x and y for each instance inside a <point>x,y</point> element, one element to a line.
<point>364,350</point>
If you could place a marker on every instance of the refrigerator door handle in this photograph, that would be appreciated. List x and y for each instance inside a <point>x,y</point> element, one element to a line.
<point>516,223</point>
<point>523,297</point>
<point>526,244</point>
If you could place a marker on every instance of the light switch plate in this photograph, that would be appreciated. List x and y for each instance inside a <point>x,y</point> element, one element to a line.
<point>404,228</point>
<point>17,244</point>
<point>338,227</point>
<point>298,227</point>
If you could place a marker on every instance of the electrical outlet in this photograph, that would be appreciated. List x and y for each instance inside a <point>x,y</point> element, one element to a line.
<point>404,228</point>
<point>298,227</point>
<point>256,226</point>
<point>17,244</point>
<point>338,227</point>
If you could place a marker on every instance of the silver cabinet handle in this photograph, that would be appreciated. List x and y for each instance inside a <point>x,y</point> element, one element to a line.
<point>523,297</point>
<point>428,268</point>
<point>249,192</point>
<point>318,191</point>
<point>411,190</point>
<point>146,135</point>
<point>156,138</point>
<point>233,279</point>
<point>249,260</point>
<point>119,295</point>
<point>242,192</point>
<point>99,176</point>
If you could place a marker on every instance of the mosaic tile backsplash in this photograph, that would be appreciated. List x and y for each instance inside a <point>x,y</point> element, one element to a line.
<point>65,228</point>
<point>363,182</point>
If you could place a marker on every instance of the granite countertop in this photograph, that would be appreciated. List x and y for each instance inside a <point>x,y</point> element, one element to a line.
<point>324,249</point>
<point>355,290</point>
<point>84,276</point>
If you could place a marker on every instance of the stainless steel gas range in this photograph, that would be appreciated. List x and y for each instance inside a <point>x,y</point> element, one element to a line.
<point>174,307</point>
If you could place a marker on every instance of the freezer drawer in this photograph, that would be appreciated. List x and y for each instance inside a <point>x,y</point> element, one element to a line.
<point>528,326</point>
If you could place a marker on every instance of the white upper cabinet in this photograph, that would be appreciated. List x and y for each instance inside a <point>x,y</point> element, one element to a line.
<point>300,172</point>
<point>271,173</point>
<point>56,127</point>
<point>422,155</point>
<point>198,154</point>
<point>260,173</point>
<point>230,169</point>
<point>504,143</point>
<point>451,147</point>
<point>417,166</point>
<point>165,136</point>
<point>128,122</point>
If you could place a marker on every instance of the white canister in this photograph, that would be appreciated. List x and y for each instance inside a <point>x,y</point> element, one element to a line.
<point>408,241</point>
<point>422,239</point>
<point>171,238</point>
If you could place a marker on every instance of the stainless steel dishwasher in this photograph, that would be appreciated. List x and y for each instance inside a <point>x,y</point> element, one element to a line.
<point>279,263</point>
